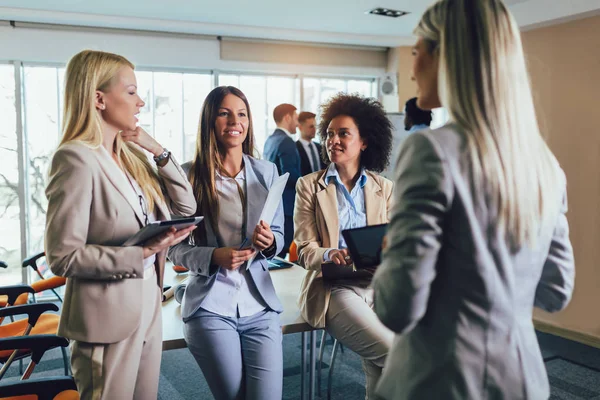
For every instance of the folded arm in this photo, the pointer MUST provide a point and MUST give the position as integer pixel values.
(69, 193)
(179, 194)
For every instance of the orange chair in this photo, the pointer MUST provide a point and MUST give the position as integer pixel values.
(293, 254)
(53, 388)
(46, 282)
(180, 269)
(36, 323)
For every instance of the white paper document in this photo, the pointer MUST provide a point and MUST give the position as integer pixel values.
(274, 197)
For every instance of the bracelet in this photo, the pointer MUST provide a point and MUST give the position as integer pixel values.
(165, 155)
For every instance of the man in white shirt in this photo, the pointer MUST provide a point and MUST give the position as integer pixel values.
(309, 151)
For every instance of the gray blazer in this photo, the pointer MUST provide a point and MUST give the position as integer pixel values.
(459, 299)
(260, 175)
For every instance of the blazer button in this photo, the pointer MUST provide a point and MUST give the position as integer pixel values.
(134, 275)
(119, 276)
(114, 277)
(127, 276)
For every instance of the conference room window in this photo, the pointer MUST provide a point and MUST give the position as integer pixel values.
(172, 110)
(264, 93)
(42, 113)
(10, 228)
(317, 91)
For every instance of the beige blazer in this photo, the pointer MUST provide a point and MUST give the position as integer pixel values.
(92, 210)
(317, 230)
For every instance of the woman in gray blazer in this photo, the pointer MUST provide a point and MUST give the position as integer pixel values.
(478, 234)
(101, 191)
(230, 308)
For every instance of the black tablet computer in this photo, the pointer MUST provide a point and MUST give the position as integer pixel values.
(155, 228)
(364, 244)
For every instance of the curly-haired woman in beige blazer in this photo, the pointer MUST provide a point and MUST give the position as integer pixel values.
(357, 139)
(101, 191)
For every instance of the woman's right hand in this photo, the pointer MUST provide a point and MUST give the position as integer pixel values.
(230, 257)
(166, 240)
(340, 257)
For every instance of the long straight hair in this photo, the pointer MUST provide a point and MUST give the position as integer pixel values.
(484, 84)
(208, 158)
(87, 72)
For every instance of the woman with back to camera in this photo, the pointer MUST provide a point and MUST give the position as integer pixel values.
(357, 139)
(478, 234)
(101, 191)
(230, 309)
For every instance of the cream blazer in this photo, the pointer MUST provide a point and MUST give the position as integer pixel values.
(92, 210)
(317, 229)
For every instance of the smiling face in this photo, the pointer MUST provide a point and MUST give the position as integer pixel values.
(425, 74)
(121, 104)
(344, 144)
(231, 124)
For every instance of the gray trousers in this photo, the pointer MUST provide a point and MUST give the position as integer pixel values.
(351, 320)
(128, 369)
(241, 358)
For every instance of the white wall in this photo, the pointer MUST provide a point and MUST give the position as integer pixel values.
(145, 49)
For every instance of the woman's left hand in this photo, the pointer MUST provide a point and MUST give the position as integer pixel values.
(142, 139)
(263, 236)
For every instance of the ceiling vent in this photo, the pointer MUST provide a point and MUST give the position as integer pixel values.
(387, 12)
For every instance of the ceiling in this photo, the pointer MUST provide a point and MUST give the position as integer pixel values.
(328, 21)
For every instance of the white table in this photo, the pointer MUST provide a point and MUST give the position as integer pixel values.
(287, 285)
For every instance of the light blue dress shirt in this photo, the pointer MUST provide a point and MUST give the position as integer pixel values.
(351, 205)
(234, 294)
(418, 127)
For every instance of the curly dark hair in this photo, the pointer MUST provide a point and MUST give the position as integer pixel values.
(373, 125)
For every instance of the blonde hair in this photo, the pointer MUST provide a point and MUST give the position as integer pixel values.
(484, 84)
(87, 72)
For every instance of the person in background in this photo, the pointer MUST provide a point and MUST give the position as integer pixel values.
(478, 234)
(281, 150)
(101, 191)
(415, 119)
(230, 309)
(357, 137)
(309, 151)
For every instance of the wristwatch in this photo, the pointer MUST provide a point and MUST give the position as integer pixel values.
(162, 156)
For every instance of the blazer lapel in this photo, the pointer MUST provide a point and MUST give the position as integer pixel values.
(256, 195)
(327, 199)
(373, 201)
(119, 181)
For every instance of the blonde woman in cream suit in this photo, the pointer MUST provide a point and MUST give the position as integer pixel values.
(357, 139)
(101, 191)
(478, 234)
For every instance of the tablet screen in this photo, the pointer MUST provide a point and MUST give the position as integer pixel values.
(364, 244)
(158, 227)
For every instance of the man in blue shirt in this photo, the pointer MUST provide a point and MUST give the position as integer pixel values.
(415, 119)
(280, 149)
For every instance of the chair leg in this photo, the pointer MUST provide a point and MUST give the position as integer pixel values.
(21, 366)
(65, 360)
(57, 296)
(321, 351)
(331, 365)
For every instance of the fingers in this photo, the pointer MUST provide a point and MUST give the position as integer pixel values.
(262, 241)
(337, 257)
(340, 257)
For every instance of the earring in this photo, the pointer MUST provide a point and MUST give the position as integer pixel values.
(102, 107)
